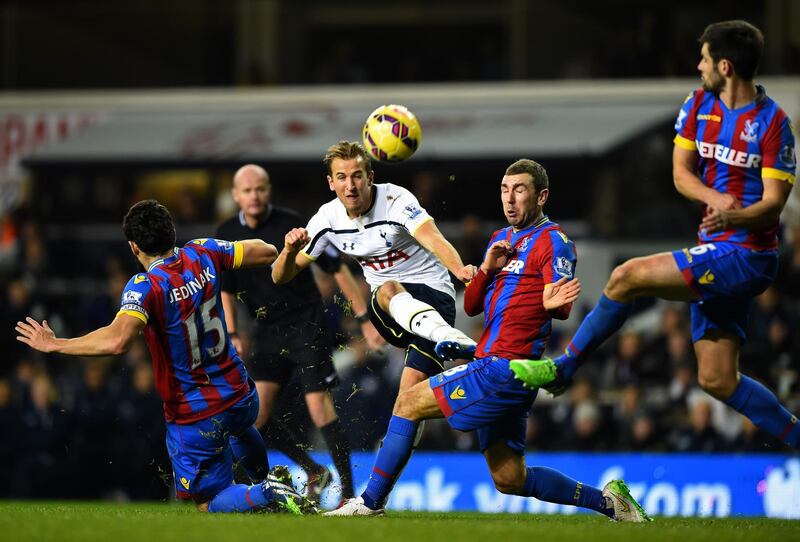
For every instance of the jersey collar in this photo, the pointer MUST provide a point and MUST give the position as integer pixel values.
(162, 261)
(243, 222)
(538, 224)
(761, 97)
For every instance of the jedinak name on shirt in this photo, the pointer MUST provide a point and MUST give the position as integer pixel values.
(192, 287)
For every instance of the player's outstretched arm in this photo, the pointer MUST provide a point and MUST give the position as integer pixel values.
(558, 297)
(353, 291)
(760, 215)
(432, 239)
(290, 261)
(689, 185)
(257, 253)
(111, 340)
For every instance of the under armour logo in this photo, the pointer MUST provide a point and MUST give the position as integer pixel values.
(383, 234)
(352, 246)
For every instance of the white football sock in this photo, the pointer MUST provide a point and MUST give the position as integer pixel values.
(418, 318)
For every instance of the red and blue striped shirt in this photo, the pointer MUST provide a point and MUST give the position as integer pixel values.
(736, 150)
(517, 324)
(197, 371)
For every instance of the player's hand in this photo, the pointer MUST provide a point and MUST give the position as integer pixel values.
(716, 220)
(295, 240)
(724, 202)
(560, 293)
(374, 339)
(466, 273)
(38, 336)
(496, 257)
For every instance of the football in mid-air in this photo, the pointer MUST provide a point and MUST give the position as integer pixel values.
(392, 133)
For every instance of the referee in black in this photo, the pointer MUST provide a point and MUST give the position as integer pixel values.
(289, 330)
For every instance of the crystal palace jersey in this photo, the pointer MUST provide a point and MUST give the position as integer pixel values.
(737, 149)
(382, 239)
(517, 324)
(197, 371)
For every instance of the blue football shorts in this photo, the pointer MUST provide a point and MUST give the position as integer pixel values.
(202, 460)
(484, 396)
(726, 277)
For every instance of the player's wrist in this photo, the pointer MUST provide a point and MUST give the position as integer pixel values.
(362, 318)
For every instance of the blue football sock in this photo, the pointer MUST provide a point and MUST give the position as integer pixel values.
(552, 486)
(242, 498)
(251, 454)
(605, 319)
(759, 404)
(392, 458)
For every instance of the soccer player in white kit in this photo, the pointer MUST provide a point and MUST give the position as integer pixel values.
(404, 256)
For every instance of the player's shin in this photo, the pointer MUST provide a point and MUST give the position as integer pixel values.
(242, 498)
(392, 458)
(279, 436)
(339, 448)
(550, 485)
(759, 404)
(602, 322)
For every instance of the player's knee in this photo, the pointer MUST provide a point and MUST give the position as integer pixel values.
(387, 291)
(717, 385)
(202, 507)
(622, 280)
(404, 406)
(262, 419)
(322, 416)
(510, 485)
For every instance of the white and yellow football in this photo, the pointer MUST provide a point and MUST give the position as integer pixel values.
(392, 133)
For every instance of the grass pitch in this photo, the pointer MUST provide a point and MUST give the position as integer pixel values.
(86, 522)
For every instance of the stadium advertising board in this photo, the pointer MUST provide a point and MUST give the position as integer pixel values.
(665, 484)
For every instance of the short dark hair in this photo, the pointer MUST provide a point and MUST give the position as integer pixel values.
(347, 150)
(534, 169)
(150, 226)
(738, 42)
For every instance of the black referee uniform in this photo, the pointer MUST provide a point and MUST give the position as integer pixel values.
(289, 330)
(289, 335)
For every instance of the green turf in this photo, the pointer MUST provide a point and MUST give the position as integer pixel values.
(43, 521)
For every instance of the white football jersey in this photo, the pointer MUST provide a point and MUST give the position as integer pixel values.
(381, 240)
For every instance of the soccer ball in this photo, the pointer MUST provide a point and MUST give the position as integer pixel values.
(392, 133)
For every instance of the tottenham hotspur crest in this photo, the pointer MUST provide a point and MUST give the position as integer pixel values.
(749, 132)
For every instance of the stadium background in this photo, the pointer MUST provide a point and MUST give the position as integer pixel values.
(103, 105)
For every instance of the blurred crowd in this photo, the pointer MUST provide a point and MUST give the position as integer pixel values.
(93, 428)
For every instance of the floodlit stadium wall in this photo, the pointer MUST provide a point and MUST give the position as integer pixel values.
(459, 120)
(665, 484)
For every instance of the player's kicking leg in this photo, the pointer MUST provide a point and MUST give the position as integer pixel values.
(511, 476)
(657, 275)
(412, 407)
(423, 320)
